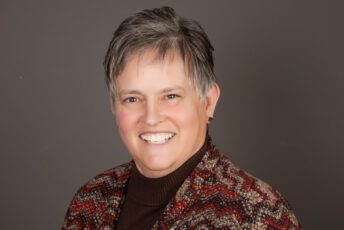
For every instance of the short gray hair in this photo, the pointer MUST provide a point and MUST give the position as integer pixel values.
(161, 29)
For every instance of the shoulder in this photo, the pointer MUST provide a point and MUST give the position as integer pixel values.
(96, 196)
(105, 183)
(235, 194)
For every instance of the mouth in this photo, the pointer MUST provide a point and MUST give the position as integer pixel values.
(157, 138)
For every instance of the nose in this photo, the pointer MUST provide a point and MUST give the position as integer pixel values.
(152, 115)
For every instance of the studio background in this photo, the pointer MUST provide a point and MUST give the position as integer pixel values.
(280, 115)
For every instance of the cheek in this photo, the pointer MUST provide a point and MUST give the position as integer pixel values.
(125, 122)
(186, 115)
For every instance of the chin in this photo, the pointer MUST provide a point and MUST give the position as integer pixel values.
(157, 167)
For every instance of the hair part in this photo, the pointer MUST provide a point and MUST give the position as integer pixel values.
(164, 31)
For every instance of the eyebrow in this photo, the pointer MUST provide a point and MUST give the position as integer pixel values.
(166, 90)
(175, 88)
(124, 92)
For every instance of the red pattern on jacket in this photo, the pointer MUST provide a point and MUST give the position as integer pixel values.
(217, 195)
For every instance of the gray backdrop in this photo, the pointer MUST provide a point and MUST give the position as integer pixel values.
(280, 115)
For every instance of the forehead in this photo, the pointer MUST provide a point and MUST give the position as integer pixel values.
(149, 73)
(137, 64)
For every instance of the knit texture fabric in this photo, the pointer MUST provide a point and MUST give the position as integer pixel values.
(146, 198)
(216, 195)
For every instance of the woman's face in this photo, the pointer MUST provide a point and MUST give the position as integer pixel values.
(160, 117)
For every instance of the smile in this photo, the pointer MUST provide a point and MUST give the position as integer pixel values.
(158, 138)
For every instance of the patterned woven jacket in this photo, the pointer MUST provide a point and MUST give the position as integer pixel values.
(216, 195)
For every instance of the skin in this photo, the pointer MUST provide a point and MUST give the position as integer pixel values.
(156, 97)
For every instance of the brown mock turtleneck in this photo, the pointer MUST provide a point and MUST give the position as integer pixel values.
(146, 198)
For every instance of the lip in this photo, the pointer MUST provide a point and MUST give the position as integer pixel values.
(157, 137)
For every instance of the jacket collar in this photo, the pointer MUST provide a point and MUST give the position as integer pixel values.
(186, 195)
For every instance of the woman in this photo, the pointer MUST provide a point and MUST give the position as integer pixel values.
(161, 80)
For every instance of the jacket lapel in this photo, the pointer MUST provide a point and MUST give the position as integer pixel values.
(115, 200)
(188, 193)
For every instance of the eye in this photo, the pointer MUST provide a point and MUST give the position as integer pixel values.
(172, 96)
(131, 100)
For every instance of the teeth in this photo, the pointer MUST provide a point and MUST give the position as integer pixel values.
(157, 138)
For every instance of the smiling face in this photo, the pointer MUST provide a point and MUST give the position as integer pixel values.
(159, 115)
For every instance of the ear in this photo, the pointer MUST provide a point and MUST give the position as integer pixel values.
(211, 99)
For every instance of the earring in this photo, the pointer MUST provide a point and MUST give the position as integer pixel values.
(210, 119)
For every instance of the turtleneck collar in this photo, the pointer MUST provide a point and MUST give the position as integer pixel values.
(159, 191)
